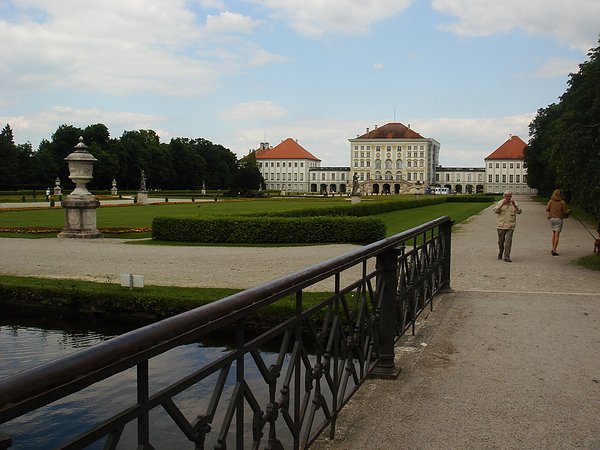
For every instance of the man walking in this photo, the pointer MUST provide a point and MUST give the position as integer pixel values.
(507, 210)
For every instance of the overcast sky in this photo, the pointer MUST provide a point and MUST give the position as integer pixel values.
(467, 73)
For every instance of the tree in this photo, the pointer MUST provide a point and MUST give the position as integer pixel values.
(564, 149)
(9, 156)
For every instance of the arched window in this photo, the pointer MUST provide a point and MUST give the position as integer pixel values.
(388, 164)
(398, 176)
(378, 164)
(388, 176)
(399, 164)
(377, 176)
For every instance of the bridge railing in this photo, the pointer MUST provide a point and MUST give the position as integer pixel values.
(325, 353)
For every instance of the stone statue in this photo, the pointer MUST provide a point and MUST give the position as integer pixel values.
(143, 181)
(355, 186)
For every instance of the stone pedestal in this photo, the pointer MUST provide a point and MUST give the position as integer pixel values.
(354, 198)
(80, 218)
(142, 197)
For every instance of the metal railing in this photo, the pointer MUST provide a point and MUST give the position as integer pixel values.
(325, 352)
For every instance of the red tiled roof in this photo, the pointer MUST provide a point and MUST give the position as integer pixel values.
(394, 130)
(511, 149)
(288, 149)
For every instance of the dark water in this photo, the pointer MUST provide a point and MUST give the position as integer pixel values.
(26, 342)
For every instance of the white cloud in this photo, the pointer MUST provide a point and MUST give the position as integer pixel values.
(228, 22)
(121, 47)
(465, 142)
(557, 67)
(573, 23)
(253, 110)
(378, 66)
(317, 17)
(35, 127)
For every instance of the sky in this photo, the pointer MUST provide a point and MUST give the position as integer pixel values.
(467, 73)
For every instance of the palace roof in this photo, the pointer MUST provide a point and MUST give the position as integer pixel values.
(287, 149)
(393, 130)
(511, 149)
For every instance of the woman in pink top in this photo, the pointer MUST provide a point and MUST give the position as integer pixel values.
(557, 211)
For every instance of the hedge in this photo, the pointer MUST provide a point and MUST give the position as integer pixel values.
(470, 199)
(367, 208)
(254, 230)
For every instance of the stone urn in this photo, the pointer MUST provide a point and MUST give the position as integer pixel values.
(80, 205)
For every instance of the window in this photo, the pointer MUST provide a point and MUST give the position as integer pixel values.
(301, 177)
(362, 154)
(301, 164)
(510, 178)
(510, 165)
(356, 163)
(388, 164)
(356, 154)
(409, 163)
(378, 176)
(389, 148)
(333, 176)
(388, 176)
(437, 177)
(362, 147)
(368, 163)
(422, 154)
(518, 177)
(295, 177)
(421, 163)
(277, 164)
(378, 164)
(490, 165)
(343, 175)
(497, 178)
(409, 176)
(458, 177)
(489, 178)
(447, 177)
(504, 165)
(356, 147)
(283, 176)
(398, 176)
(283, 164)
(277, 177)
(314, 176)
(518, 165)
(378, 148)
(323, 176)
(399, 164)
(524, 178)
(504, 178)
(368, 147)
(497, 165)
(362, 163)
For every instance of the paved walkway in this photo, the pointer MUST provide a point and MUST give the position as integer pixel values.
(510, 360)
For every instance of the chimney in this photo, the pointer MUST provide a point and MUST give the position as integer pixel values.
(408, 126)
(375, 126)
(367, 129)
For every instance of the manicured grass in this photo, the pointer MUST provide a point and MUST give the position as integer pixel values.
(141, 216)
(112, 299)
(591, 262)
(398, 221)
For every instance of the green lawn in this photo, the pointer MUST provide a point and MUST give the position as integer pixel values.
(141, 216)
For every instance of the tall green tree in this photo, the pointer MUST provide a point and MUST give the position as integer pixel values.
(564, 149)
(9, 157)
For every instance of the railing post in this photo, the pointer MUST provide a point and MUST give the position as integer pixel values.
(446, 233)
(387, 263)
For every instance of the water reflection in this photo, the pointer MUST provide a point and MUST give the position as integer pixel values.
(27, 342)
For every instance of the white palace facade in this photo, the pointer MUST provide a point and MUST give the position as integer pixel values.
(391, 159)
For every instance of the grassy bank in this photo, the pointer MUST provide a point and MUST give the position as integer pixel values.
(76, 297)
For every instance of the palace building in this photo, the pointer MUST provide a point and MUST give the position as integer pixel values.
(391, 159)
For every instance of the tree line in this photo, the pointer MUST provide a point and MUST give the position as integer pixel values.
(564, 145)
(182, 163)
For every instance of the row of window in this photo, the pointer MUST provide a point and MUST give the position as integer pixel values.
(389, 147)
(517, 179)
(457, 177)
(283, 164)
(389, 164)
(388, 155)
(510, 165)
(275, 176)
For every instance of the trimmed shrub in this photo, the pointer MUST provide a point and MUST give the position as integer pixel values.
(258, 230)
(357, 210)
(470, 199)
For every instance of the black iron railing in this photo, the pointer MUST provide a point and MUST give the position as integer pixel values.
(325, 353)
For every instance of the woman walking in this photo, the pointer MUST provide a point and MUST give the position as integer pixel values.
(557, 211)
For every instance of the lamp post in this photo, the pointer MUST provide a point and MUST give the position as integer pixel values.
(418, 185)
(80, 205)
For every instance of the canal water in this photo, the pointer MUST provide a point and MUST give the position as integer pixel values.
(26, 342)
